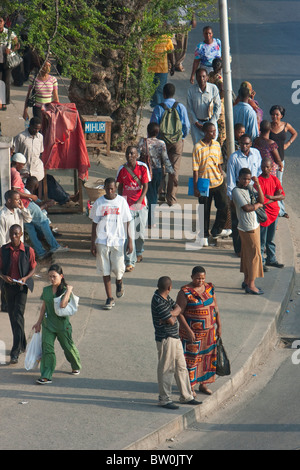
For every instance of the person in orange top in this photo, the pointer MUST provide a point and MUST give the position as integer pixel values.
(162, 52)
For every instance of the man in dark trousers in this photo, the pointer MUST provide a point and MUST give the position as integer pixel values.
(17, 266)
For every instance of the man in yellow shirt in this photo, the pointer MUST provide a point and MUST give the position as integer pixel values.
(163, 51)
(207, 163)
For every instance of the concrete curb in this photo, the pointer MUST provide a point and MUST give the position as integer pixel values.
(230, 386)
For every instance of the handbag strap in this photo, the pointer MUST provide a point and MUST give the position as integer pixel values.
(134, 176)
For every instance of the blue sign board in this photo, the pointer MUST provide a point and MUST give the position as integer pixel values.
(94, 127)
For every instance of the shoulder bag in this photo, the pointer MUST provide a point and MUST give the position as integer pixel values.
(146, 157)
(13, 59)
(260, 212)
(223, 364)
(70, 309)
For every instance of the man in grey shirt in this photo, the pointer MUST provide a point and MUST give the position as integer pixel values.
(203, 104)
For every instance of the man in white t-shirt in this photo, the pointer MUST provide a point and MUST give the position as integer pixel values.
(111, 216)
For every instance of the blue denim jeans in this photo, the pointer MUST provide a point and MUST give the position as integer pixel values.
(137, 230)
(160, 79)
(267, 237)
(40, 223)
(152, 193)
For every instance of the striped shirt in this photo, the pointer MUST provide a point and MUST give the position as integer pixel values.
(206, 160)
(161, 311)
(43, 90)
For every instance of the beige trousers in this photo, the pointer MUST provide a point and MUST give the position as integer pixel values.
(171, 362)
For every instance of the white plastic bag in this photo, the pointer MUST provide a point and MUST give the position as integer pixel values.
(33, 352)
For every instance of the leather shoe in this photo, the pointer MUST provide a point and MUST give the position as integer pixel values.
(250, 291)
(266, 269)
(170, 406)
(193, 402)
(275, 264)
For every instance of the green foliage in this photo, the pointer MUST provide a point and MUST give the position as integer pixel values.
(84, 34)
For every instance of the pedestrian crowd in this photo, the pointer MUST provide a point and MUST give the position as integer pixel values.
(246, 188)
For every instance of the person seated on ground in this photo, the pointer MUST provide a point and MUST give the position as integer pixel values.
(40, 225)
(39, 220)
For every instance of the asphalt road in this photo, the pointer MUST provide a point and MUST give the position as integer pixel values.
(264, 38)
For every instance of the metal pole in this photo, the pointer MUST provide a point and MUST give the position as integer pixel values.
(223, 12)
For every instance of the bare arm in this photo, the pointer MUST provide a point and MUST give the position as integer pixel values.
(37, 325)
(294, 135)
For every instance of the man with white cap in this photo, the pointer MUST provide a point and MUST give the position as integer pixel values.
(40, 221)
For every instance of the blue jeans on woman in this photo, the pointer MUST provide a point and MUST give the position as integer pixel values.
(152, 193)
(40, 223)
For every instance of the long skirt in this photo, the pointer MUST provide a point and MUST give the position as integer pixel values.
(251, 262)
(201, 357)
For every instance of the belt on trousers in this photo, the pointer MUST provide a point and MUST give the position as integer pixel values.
(203, 120)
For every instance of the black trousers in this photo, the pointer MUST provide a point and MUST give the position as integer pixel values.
(219, 196)
(5, 75)
(16, 297)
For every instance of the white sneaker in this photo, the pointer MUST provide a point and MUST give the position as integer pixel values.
(226, 232)
(61, 248)
(205, 241)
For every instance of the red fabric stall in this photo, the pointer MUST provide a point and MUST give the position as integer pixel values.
(64, 142)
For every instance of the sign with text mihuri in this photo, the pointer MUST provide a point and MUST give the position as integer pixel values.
(94, 127)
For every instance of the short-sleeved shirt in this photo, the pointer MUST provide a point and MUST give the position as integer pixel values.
(247, 220)
(31, 146)
(270, 186)
(110, 215)
(13, 271)
(158, 152)
(206, 160)
(16, 182)
(52, 321)
(43, 90)
(161, 311)
(132, 190)
(208, 52)
(161, 50)
(4, 42)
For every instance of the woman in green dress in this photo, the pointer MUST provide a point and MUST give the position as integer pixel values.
(54, 326)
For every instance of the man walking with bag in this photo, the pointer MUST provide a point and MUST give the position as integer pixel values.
(17, 266)
(133, 178)
(174, 125)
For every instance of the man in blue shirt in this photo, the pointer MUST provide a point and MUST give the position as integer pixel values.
(244, 114)
(175, 149)
(245, 157)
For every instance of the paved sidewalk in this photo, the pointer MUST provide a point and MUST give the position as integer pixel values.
(113, 402)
